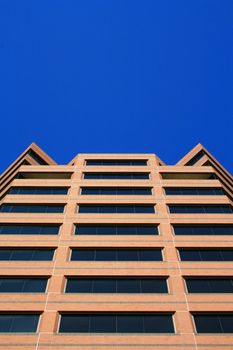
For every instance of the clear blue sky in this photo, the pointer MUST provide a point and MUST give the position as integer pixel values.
(83, 76)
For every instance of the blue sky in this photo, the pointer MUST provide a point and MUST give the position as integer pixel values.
(116, 76)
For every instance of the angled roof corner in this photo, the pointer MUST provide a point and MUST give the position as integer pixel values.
(33, 155)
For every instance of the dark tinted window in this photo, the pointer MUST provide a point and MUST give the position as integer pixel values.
(192, 191)
(38, 190)
(18, 323)
(117, 285)
(19, 229)
(200, 209)
(206, 254)
(31, 208)
(203, 230)
(209, 285)
(10, 254)
(37, 158)
(116, 208)
(110, 162)
(197, 157)
(116, 230)
(22, 285)
(117, 176)
(213, 323)
(116, 254)
(116, 191)
(116, 323)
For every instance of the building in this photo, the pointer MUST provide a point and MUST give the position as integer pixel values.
(116, 251)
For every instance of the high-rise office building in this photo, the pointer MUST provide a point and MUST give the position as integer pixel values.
(116, 251)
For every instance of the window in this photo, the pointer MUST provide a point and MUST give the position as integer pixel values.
(212, 230)
(116, 191)
(121, 208)
(36, 157)
(18, 322)
(206, 254)
(38, 190)
(116, 162)
(44, 175)
(127, 254)
(209, 285)
(116, 176)
(22, 285)
(116, 323)
(26, 254)
(214, 322)
(193, 191)
(200, 209)
(116, 285)
(116, 230)
(189, 176)
(21, 229)
(32, 208)
(195, 159)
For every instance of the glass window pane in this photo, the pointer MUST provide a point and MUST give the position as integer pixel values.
(221, 285)
(210, 255)
(226, 323)
(105, 255)
(125, 209)
(227, 255)
(24, 323)
(154, 286)
(35, 285)
(107, 209)
(144, 209)
(150, 255)
(103, 324)
(5, 323)
(11, 285)
(74, 324)
(129, 324)
(126, 230)
(104, 286)
(158, 324)
(198, 286)
(190, 255)
(79, 286)
(207, 324)
(22, 254)
(83, 254)
(128, 286)
(127, 255)
(5, 254)
(43, 254)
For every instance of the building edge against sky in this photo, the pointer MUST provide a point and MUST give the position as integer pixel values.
(116, 250)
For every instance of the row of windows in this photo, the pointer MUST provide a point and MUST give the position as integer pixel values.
(121, 254)
(118, 229)
(200, 209)
(32, 208)
(116, 254)
(116, 322)
(115, 285)
(108, 208)
(117, 175)
(30, 229)
(116, 162)
(115, 191)
(39, 190)
(193, 191)
(119, 208)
